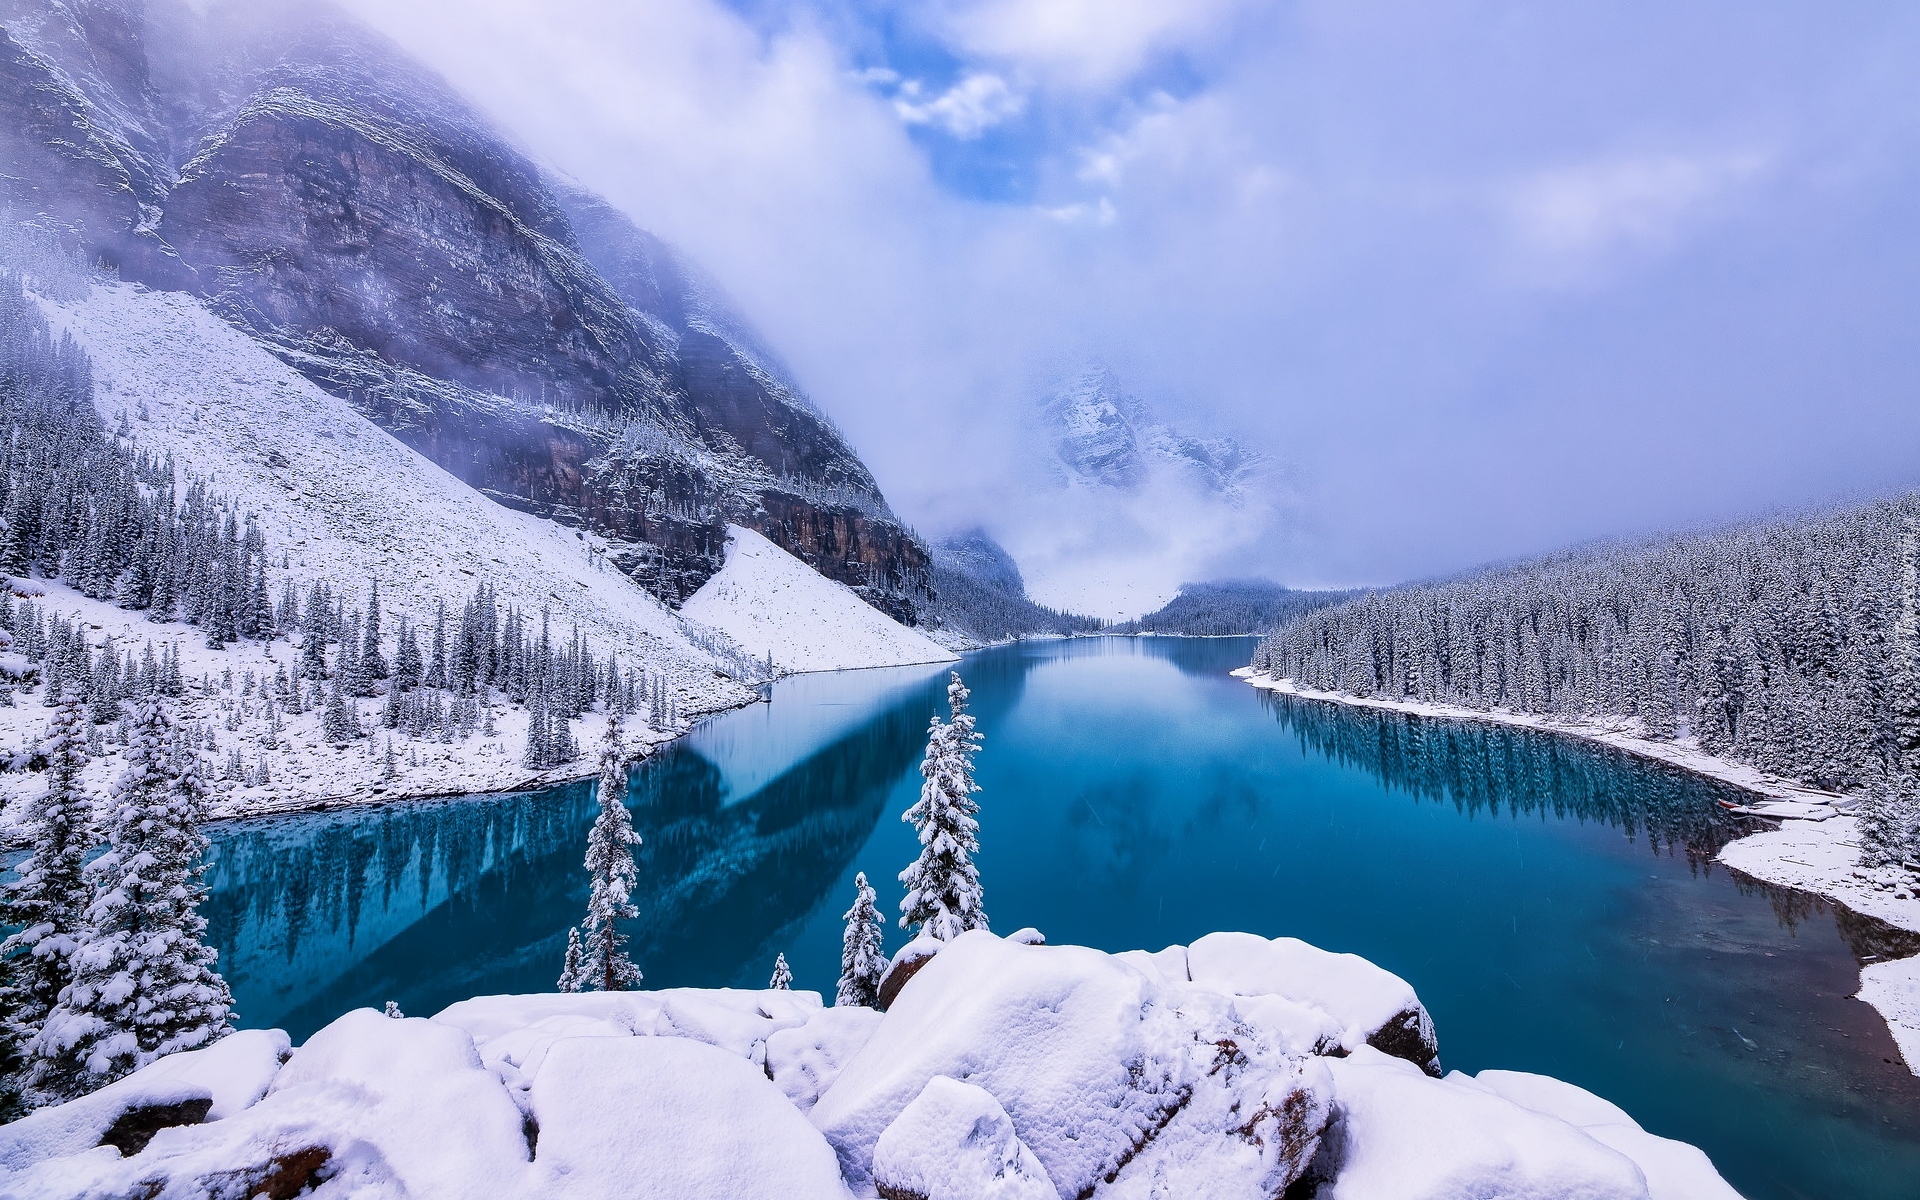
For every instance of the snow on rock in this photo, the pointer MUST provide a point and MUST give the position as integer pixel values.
(236, 1071)
(804, 1060)
(905, 964)
(1673, 1170)
(1005, 1071)
(138, 1102)
(670, 1119)
(955, 1142)
(1893, 988)
(772, 604)
(348, 503)
(1398, 1134)
(739, 1021)
(1107, 1075)
(389, 1072)
(1373, 1006)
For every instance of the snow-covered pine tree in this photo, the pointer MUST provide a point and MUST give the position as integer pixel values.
(539, 753)
(47, 900)
(943, 886)
(436, 676)
(143, 983)
(782, 980)
(340, 723)
(1904, 683)
(863, 960)
(561, 748)
(570, 971)
(408, 669)
(373, 662)
(1889, 828)
(611, 868)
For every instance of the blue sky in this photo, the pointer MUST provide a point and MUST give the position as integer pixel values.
(1485, 276)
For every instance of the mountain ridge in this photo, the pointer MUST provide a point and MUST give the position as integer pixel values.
(344, 206)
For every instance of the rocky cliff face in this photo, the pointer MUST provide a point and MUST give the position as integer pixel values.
(344, 206)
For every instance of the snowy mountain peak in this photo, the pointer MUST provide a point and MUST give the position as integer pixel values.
(1104, 436)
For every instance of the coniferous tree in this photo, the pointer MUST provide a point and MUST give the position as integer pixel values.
(408, 669)
(570, 972)
(373, 663)
(539, 754)
(863, 962)
(943, 897)
(1904, 693)
(1889, 821)
(610, 867)
(47, 900)
(782, 980)
(143, 981)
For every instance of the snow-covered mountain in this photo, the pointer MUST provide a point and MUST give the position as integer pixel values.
(1103, 436)
(342, 205)
(1126, 507)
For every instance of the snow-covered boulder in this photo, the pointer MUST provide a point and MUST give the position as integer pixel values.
(1673, 1170)
(1398, 1134)
(665, 1118)
(955, 1142)
(376, 1107)
(905, 964)
(736, 1020)
(804, 1060)
(774, 606)
(1111, 1078)
(1373, 1007)
(237, 1070)
(121, 1116)
(1006, 1070)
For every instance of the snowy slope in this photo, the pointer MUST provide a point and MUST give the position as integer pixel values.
(346, 503)
(771, 603)
(351, 503)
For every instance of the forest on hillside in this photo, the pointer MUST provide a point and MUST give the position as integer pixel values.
(1790, 644)
(1227, 607)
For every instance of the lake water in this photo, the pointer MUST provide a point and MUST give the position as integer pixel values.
(1555, 903)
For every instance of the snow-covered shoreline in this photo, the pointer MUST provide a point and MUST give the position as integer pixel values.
(1813, 850)
(1615, 733)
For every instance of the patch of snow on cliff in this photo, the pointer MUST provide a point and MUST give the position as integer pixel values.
(772, 604)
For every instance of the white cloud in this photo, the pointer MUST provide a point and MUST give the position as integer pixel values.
(1316, 244)
(1084, 43)
(1573, 215)
(966, 110)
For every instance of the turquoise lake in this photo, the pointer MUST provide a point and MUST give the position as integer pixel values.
(1555, 903)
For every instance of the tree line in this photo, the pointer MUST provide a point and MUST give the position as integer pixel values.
(1789, 644)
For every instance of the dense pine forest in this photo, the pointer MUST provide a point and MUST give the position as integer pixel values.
(1788, 644)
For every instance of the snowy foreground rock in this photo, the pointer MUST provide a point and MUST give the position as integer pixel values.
(1235, 1067)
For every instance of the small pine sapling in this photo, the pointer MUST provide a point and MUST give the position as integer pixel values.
(570, 970)
(862, 960)
(782, 980)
